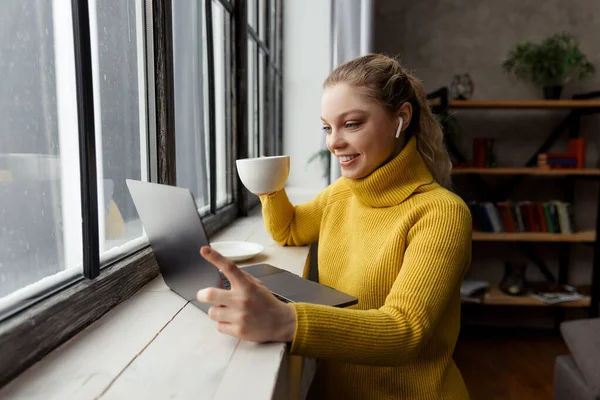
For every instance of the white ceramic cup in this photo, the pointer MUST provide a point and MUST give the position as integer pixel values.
(265, 174)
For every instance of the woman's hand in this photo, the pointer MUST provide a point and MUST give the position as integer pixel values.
(249, 310)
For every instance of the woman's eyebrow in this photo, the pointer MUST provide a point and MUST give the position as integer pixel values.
(345, 113)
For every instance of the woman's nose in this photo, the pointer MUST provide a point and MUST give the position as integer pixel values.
(336, 140)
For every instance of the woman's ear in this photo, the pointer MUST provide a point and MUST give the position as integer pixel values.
(405, 112)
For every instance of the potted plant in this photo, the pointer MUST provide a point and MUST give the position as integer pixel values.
(550, 64)
(323, 156)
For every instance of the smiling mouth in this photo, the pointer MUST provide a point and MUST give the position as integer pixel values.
(345, 159)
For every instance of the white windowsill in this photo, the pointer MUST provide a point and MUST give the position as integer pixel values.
(156, 345)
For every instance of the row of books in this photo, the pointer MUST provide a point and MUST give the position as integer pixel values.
(523, 216)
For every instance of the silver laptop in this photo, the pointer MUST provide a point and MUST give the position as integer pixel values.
(176, 234)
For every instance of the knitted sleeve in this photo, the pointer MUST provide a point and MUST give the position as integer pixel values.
(292, 225)
(437, 255)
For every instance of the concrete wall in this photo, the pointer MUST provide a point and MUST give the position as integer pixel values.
(440, 38)
(306, 63)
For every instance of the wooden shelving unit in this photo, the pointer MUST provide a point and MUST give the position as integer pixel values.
(516, 104)
(578, 237)
(496, 297)
(485, 191)
(526, 171)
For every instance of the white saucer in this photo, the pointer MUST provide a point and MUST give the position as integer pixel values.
(238, 251)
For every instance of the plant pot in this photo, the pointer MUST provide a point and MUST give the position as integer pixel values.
(552, 92)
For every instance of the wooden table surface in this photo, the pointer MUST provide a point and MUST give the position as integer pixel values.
(155, 345)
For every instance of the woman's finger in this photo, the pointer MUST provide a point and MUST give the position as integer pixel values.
(222, 314)
(216, 296)
(231, 271)
(230, 329)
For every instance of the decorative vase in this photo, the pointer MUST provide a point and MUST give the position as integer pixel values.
(552, 92)
(513, 283)
(462, 87)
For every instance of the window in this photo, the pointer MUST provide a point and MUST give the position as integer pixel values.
(253, 148)
(252, 13)
(222, 63)
(81, 114)
(262, 103)
(40, 208)
(118, 67)
(203, 102)
(262, 19)
(190, 74)
(264, 76)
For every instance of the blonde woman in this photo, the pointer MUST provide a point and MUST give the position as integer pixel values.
(390, 233)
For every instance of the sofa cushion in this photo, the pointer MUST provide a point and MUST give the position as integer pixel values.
(568, 382)
(583, 340)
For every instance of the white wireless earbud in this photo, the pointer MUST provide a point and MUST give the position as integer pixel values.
(400, 121)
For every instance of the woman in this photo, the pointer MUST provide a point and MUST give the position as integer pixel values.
(389, 232)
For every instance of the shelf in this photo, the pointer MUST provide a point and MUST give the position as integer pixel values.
(540, 104)
(526, 171)
(579, 237)
(495, 296)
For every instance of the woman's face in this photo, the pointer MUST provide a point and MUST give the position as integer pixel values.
(360, 131)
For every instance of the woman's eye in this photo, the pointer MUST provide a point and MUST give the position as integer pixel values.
(326, 129)
(352, 125)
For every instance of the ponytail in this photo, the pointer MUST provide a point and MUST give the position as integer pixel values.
(430, 137)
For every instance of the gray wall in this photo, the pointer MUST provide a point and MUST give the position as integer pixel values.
(439, 38)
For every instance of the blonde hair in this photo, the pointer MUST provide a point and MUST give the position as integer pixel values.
(383, 79)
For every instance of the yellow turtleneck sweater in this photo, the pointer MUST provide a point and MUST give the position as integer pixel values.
(401, 244)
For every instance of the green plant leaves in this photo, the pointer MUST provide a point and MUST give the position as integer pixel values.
(554, 61)
(323, 156)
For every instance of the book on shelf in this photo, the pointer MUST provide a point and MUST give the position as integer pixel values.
(523, 216)
(574, 158)
(555, 294)
(483, 153)
(472, 291)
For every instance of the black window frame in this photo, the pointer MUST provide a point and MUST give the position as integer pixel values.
(36, 328)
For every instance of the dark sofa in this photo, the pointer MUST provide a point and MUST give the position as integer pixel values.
(577, 375)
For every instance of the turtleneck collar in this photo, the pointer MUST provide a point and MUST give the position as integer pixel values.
(393, 182)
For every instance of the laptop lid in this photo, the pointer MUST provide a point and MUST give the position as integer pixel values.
(176, 234)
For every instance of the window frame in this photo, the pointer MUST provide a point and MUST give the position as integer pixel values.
(37, 327)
